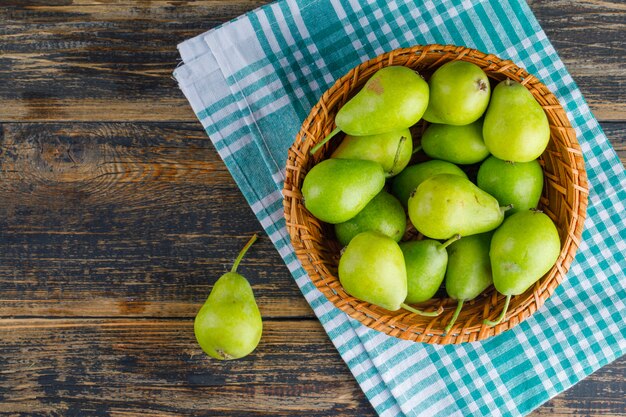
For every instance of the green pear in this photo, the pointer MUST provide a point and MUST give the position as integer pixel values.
(392, 150)
(469, 270)
(459, 94)
(336, 190)
(518, 184)
(393, 98)
(446, 205)
(522, 250)
(229, 325)
(426, 262)
(406, 182)
(515, 128)
(384, 214)
(372, 269)
(457, 144)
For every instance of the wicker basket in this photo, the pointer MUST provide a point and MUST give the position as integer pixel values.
(564, 199)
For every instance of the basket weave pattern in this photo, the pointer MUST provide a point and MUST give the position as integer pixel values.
(564, 199)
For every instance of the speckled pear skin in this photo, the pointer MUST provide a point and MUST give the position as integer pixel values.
(336, 190)
(372, 269)
(522, 250)
(446, 205)
(229, 324)
(393, 98)
(515, 128)
(392, 150)
(459, 94)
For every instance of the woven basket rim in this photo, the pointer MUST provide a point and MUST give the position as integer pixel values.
(403, 324)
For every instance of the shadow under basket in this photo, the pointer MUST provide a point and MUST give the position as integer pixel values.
(564, 199)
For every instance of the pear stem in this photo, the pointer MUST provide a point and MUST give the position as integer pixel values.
(416, 150)
(422, 313)
(502, 314)
(326, 139)
(397, 156)
(506, 208)
(449, 241)
(242, 253)
(459, 306)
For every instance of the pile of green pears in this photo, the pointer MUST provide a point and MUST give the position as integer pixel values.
(476, 233)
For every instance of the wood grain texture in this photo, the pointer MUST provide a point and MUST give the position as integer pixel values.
(124, 219)
(597, 27)
(140, 367)
(117, 215)
(94, 60)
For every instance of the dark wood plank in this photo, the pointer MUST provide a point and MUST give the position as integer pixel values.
(139, 367)
(590, 36)
(124, 220)
(93, 61)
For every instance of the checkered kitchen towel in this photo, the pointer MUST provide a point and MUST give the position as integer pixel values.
(252, 82)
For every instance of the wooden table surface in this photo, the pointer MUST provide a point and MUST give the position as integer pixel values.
(117, 215)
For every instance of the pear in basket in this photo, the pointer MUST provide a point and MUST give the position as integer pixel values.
(393, 98)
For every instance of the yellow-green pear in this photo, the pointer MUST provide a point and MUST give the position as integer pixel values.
(426, 262)
(522, 250)
(459, 94)
(469, 270)
(445, 205)
(515, 128)
(229, 324)
(392, 150)
(336, 190)
(393, 98)
(457, 144)
(384, 214)
(516, 183)
(406, 182)
(372, 269)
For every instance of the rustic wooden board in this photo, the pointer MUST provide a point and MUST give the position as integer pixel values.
(94, 60)
(121, 367)
(117, 215)
(124, 219)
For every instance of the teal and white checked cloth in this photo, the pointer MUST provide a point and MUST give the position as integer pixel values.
(252, 82)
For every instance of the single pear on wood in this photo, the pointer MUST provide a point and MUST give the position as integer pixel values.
(229, 324)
